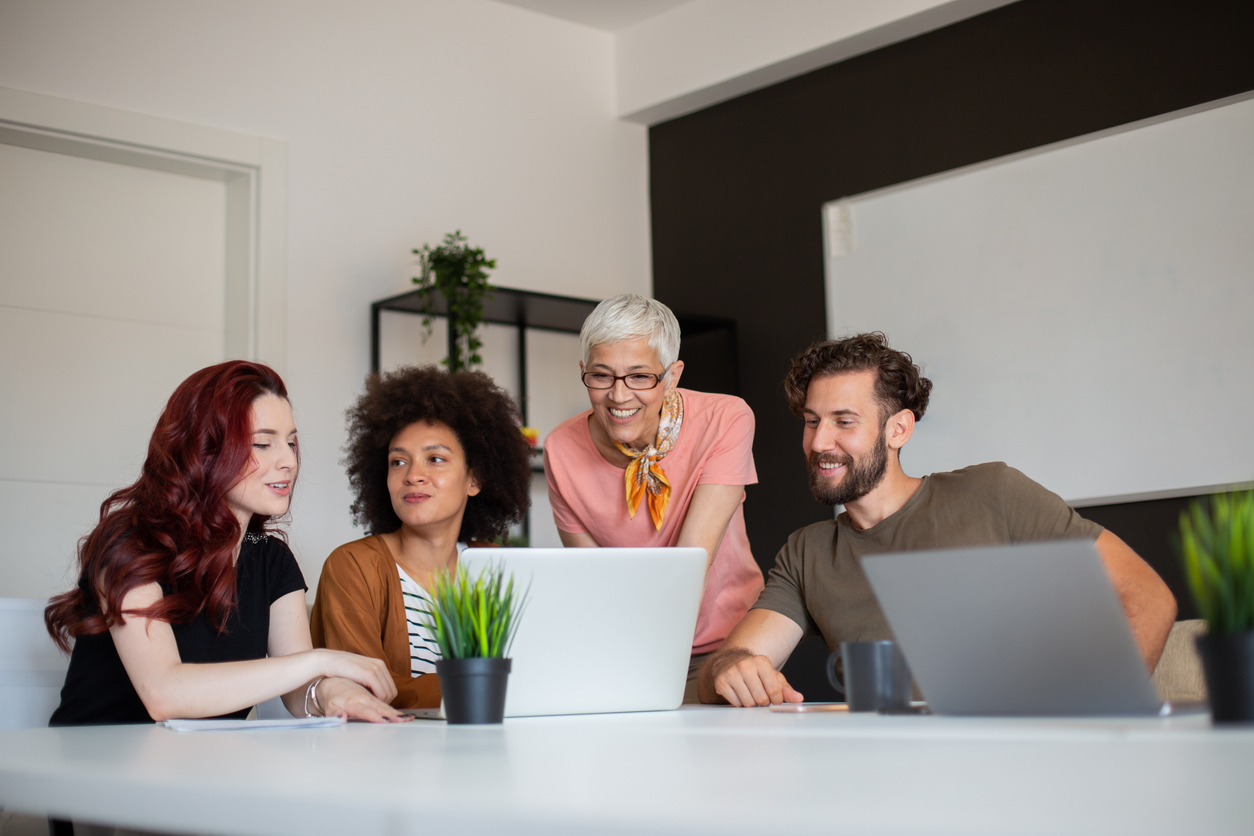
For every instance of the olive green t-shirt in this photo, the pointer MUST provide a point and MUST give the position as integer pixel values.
(818, 580)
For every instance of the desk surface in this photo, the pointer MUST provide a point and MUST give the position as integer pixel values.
(699, 770)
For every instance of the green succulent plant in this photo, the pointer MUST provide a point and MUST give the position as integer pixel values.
(472, 618)
(459, 273)
(1216, 544)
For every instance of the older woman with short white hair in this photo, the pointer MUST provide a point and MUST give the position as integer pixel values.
(651, 464)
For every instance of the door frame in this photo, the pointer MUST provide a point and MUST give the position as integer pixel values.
(253, 168)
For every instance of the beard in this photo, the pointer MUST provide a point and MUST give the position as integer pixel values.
(861, 476)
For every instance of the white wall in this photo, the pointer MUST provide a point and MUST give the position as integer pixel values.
(708, 51)
(1083, 310)
(403, 121)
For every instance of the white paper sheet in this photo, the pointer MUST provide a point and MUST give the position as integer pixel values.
(252, 725)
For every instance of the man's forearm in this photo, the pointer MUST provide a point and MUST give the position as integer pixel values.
(1151, 614)
(1147, 602)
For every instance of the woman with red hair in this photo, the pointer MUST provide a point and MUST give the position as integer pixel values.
(188, 603)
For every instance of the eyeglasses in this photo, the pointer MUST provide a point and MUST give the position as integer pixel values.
(636, 380)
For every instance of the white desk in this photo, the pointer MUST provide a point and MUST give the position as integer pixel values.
(703, 770)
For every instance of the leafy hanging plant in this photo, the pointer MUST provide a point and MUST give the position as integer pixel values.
(459, 273)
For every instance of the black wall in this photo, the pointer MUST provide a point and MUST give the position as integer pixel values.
(736, 189)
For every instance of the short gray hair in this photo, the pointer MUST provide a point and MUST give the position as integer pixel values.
(629, 316)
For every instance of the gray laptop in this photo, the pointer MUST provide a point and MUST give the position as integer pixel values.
(603, 630)
(1029, 629)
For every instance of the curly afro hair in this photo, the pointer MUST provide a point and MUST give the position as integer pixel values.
(482, 416)
(899, 383)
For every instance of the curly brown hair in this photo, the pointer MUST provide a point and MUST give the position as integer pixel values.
(899, 383)
(485, 420)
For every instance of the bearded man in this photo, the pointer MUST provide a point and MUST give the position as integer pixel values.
(860, 399)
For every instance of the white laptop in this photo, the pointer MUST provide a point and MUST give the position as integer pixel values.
(1034, 629)
(603, 630)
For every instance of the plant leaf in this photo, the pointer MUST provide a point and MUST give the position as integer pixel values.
(1216, 547)
(473, 617)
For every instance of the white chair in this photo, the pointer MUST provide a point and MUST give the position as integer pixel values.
(272, 709)
(1179, 676)
(32, 668)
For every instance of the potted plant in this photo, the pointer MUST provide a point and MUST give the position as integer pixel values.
(459, 273)
(474, 621)
(1217, 547)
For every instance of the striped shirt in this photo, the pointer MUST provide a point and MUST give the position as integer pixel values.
(423, 650)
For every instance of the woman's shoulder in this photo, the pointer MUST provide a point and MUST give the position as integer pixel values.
(265, 543)
(268, 549)
(367, 552)
(360, 569)
(273, 566)
(570, 438)
(715, 407)
(572, 428)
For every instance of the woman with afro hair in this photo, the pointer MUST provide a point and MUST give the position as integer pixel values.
(436, 461)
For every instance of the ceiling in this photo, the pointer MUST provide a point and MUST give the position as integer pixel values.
(607, 15)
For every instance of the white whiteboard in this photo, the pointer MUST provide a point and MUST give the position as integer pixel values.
(1086, 313)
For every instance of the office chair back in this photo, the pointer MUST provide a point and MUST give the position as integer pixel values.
(32, 669)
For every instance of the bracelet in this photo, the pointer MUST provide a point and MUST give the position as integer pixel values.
(312, 691)
(317, 704)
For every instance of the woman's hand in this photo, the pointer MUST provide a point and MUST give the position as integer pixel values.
(371, 674)
(344, 698)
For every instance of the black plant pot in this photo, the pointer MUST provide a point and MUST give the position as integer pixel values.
(473, 689)
(1228, 661)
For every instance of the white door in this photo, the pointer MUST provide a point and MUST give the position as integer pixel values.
(111, 292)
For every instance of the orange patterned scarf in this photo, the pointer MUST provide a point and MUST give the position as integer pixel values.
(644, 474)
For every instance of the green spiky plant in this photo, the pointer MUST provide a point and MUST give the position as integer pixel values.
(1217, 546)
(471, 618)
(459, 273)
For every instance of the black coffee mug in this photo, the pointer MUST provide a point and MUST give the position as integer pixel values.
(877, 677)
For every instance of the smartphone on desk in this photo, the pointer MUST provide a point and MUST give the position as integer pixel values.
(818, 707)
(808, 707)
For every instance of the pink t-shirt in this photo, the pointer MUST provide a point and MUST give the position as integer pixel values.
(715, 447)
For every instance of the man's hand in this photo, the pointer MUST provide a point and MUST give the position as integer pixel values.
(744, 671)
(744, 680)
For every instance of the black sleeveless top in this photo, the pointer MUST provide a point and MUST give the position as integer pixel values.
(97, 690)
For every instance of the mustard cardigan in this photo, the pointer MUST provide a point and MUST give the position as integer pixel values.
(359, 608)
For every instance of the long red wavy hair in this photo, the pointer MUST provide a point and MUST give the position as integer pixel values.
(173, 525)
